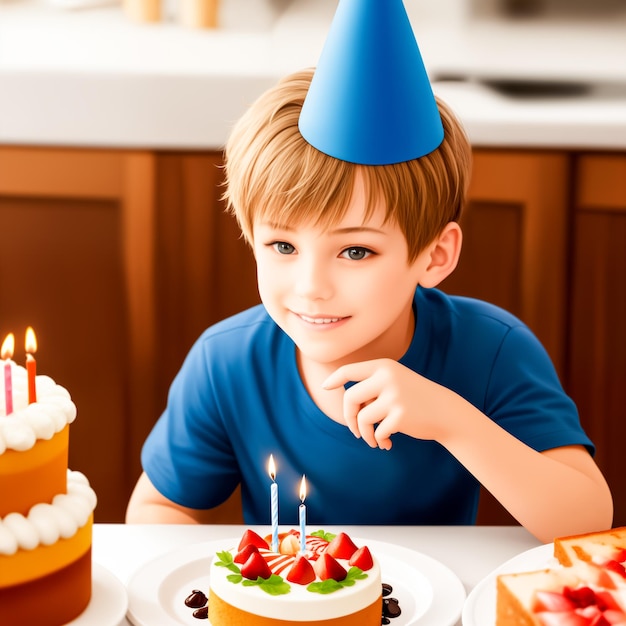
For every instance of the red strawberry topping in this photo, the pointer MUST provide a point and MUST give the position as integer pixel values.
(362, 559)
(301, 572)
(255, 567)
(341, 547)
(328, 567)
(251, 537)
(244, 554)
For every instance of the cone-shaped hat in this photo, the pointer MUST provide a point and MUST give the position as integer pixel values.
(370, 100)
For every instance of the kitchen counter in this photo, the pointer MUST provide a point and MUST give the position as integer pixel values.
(91, 77)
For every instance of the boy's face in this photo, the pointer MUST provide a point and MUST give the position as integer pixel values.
(343, 294)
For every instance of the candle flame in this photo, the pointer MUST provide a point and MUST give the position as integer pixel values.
(303, 489)
(31, 341)
(8, 346)
(271, 467)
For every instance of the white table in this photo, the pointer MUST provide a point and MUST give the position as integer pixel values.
(471, 552)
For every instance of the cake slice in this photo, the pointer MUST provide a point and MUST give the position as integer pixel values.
(606, 548)
(584, 594)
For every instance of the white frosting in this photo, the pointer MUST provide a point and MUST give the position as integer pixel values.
(299, 604)
(39, 420)
(45, 524)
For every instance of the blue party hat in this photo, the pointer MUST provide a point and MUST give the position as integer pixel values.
(370, 100)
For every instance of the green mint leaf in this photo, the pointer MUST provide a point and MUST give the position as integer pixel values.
(274, 585)
(330, 585)
(323, 535)
(234, 578)
(226, 560)
(356, 573)
(324, 587)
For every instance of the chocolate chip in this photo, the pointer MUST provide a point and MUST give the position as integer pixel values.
(196, 599)
(202, 613)
(387, 589)
(391, 607)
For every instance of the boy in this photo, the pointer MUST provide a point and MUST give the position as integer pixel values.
(395, 400)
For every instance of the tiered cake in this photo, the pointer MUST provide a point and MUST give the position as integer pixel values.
(46, 510)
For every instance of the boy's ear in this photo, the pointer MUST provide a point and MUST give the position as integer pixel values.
(443, 255)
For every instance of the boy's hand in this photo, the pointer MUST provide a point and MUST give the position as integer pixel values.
(390, 395)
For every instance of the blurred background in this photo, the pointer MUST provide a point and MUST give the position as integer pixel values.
(116, 249)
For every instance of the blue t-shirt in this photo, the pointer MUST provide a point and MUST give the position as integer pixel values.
(239, 398)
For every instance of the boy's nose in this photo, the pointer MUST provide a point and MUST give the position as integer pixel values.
(313, 280)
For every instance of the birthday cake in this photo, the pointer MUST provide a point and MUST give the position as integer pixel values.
(46, 510)
(332, 583)
(587, 588)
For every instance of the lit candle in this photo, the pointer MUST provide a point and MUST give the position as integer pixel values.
(6, 352)
(271, 468)
(302, 515)
(31, 364)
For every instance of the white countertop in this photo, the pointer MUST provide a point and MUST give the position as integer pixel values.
(93, 78)
(471, 552)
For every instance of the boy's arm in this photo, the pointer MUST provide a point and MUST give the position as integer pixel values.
(149, 506)
(553, 493)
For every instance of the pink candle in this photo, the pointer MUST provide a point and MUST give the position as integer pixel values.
(6, 352)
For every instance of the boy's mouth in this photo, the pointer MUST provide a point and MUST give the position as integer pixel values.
(319, 319)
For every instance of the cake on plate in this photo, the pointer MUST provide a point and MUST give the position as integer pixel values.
(332, 583)
(46, 510)
(586, 588)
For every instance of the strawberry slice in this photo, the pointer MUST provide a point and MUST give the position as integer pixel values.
(362, 559)
(341, 547)
(255, 567)
(559, 618)
(301, 572)
(250, 537)
(328, 567)
(244, 554)
(581, 597)
(616, 567)
(607, 602)
(552, 601)
(620, 555)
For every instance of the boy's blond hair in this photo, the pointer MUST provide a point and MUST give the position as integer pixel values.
(274, 174)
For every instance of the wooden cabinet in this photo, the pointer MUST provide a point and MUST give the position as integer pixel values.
(515, 251)
(596, 376)
(515, 241)
(119, 260)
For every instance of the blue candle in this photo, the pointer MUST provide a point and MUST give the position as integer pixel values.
(273, 503)
(302, 515)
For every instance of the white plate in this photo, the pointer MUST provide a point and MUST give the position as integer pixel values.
(480, 608)
(109, 600)
(428, 592)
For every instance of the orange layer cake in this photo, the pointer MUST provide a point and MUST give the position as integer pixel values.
(333, 583)
(46, 511)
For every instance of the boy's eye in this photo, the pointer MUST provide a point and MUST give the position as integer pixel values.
(282, 247)
(356, 253)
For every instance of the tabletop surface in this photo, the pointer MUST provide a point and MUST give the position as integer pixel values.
(471, 552)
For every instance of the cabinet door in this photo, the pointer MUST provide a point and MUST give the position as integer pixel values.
(77, 263)
(597, 368)
(515, 250)
(206, 270)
